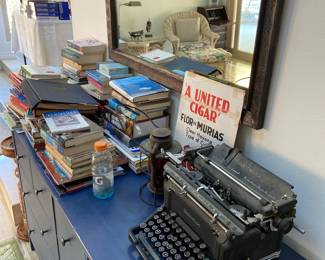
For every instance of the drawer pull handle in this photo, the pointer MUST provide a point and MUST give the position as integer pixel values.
(25, 193)
(19, 157)
(38, 191)
(31, 231)
(43, 232)
(65, 241)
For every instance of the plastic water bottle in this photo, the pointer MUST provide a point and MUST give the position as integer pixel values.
(102, 171)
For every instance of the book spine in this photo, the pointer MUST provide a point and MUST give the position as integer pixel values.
(18, 103)
(129, 142)
(74, 46)
(97, 85)
(72, 56)
(72, 64)
(64, 12)
(117, 106)
(100, 78)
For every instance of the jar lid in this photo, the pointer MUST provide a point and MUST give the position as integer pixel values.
(100, 146)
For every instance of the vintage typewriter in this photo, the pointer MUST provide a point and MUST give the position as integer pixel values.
(225, 207)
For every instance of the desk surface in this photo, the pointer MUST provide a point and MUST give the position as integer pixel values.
(102, 225)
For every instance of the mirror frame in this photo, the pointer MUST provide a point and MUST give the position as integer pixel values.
(262, 65)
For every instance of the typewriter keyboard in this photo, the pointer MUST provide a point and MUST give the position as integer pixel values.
(164, 235)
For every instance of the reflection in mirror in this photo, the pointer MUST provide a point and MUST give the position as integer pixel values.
(212, 37)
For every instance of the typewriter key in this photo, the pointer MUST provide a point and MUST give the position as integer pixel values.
(161, 237)
(164, 254)
(154, 227)
(164, 213)
(196, 250)
(178, 243)
(167, 217)
(146, 230)
(191, 258)
(187, 240)
(170, 222)
(153, 239)
(191, 245)
(158, 232)
(178, 230)
(166, 229)
(169, 258)
(187, 253)
(156, 217)
(174, 226)
(157, 244)
(169, 246)
(174, 239)
(165, 243)
(163, 225)
(151, 223)
(202, 246)
(170, 236)
(200, 256)
(177, 257)
(150, 234)
(143, 225)
(173, 251)
(182, 249)
(173, 214)
(182, 235)
(159, 221)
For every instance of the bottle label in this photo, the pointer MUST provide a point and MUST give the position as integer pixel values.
(99, 180)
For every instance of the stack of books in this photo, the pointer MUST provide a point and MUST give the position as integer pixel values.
(69, 141)
(138, 106)
(43, 9)
(44, 96)
(17, 105)
(80, 56)
(98, 80)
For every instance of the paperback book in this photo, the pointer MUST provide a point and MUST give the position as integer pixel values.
(65, 121)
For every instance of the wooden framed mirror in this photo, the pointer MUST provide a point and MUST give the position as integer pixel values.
(252, 29)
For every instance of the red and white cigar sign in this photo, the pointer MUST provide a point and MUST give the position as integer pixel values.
(209, 112)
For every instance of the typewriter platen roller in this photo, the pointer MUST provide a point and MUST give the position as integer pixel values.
(233, 206)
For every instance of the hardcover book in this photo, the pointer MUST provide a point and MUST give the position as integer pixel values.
(113, 68)
(139, 88)
(41, 72)
(87, 45)
(47, 95)
(80, 57)
(65, 121)
(157, 56)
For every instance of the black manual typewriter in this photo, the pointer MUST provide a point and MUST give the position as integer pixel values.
(225, 207)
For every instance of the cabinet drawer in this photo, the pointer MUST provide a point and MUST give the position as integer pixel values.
(41, 190)
(69, 245)
(23, 159)
(42, 232)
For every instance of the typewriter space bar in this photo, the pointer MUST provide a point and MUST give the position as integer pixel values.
(187, 229)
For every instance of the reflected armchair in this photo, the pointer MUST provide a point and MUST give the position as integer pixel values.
(191, 36)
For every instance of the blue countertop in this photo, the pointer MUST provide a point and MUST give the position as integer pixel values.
(102, 225)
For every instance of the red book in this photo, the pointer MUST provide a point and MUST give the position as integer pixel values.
(98, 86)
(18, 103)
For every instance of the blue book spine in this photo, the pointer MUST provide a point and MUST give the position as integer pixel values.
(117, 106)
(45, 5)
(64, 12)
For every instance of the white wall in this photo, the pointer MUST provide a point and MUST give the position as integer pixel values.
(292, 143)
(135, 18)
(89, 19)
